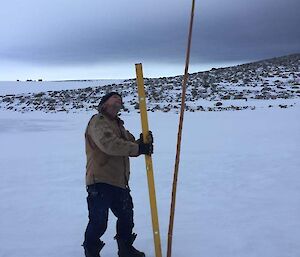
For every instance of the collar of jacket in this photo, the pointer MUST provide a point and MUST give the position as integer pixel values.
(117, 119)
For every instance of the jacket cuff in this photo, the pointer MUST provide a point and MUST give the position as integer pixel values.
(134, 150)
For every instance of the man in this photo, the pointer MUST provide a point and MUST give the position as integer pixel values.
(108, 148)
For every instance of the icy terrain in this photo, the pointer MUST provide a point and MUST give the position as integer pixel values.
(239, 182)
(263, 84)
(23, 87)
(238, 191)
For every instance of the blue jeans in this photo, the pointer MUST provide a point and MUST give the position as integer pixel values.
(101, 198)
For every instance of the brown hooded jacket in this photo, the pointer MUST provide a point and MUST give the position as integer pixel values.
(108, 146)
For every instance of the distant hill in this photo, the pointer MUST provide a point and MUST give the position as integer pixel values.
(268, 83)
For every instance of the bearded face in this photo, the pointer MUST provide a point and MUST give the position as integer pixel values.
(113, 105)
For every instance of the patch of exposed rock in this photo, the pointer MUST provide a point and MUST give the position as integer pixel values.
(233, 88)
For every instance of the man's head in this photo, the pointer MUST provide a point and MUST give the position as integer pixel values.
(111, 103)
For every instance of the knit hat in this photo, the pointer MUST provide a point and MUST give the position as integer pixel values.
(105, 98)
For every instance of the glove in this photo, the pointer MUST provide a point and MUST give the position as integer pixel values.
(145, 148)
(149, 137)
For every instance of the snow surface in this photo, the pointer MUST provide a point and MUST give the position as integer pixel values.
(238, 187)
(20, 87)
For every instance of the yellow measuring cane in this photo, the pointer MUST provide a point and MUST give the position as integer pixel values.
(148, 159)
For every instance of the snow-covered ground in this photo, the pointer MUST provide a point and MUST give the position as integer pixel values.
(21, 87)
(238, 187)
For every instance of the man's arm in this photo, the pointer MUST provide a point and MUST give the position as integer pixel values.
(108, 142)
(130, 137)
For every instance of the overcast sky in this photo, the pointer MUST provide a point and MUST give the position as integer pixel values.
(76, 39)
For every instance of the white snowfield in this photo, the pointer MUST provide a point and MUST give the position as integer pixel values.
(238, 187)
(21, 87)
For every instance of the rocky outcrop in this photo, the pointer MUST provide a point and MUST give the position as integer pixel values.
(232, 88)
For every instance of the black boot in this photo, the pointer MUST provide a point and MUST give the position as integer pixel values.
(94, 250)
(126, 248)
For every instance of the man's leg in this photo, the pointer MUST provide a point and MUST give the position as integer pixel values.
(122, 207)
(98, 201)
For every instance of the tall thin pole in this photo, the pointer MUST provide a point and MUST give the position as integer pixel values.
(148, 159)
(175, 177)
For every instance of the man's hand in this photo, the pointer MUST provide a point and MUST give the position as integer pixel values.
(149, 138)
(145, 148)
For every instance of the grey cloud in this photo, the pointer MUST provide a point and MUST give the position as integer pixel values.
(100, 31)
